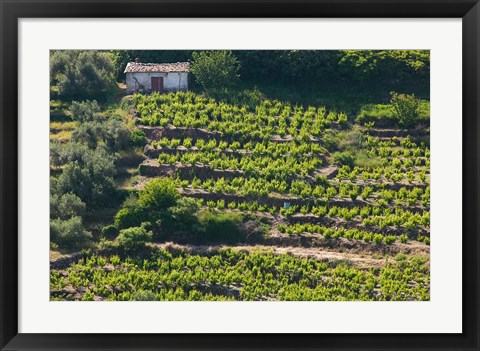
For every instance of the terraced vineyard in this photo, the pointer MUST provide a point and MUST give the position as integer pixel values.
(265, 170)
(328, 209)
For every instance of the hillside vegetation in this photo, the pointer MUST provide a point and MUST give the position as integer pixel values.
(225, 193)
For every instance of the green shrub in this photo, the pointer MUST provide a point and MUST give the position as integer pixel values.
(377, 238)
(344, 158)
(158, 194)
(69, 233)
(183, 216)
(88, 174)
(112, 133)
(138, 138)
(82, 74)
(220, 227)
(406, 109)
(109, 231)
(353, 193)
(88, 296)
(390, 239)
(366, 192)
(131, 216)
(66, 206)
(419, 110)
(365, 160)
(216, 70)
(133, 239)
(86, 111)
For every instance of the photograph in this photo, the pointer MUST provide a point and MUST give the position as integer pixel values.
(239, 175)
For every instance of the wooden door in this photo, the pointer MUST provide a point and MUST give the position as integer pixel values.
(157, 84)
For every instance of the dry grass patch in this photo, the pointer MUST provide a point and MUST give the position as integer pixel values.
(62, 136)
(59, 126)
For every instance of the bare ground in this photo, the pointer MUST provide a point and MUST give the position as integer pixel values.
(359, 260)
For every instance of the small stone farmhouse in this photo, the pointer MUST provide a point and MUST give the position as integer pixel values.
(161, 77)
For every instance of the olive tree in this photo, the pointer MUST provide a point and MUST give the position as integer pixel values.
(82, 74)
(69, 233)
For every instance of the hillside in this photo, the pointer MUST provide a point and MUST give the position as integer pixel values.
(264, 201)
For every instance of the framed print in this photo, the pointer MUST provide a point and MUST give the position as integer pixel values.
(246, 175)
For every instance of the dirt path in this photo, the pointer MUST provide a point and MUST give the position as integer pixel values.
(360, 261)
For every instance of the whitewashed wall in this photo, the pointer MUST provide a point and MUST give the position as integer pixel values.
(142, 81)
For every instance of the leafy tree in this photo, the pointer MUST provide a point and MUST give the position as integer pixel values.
(406, 109)
(66, 206)
(130, 217)
(60, 154)
(88, 133)
(89, 176)
(78, 74)
(133, 239)
(385, 64)
(96, 128)
(86, 111)
(184, 213)
(69, 233)
(158, 194)
(114, 134)
(216, 71)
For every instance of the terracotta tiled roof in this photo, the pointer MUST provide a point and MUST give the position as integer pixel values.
(157, 67)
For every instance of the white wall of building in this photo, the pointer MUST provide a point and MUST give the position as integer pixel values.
(141, 81)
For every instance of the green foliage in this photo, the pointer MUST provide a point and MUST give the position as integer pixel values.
(88, 296)
(283, 72)
(86, 111)
(375, 112)
(109, 232)
(216, 71)
(344, 158)
(61, 154)
(66, 206)
(96, 128)
(184, 214)
(133, 239)
(410, 110)
(158, 194)
(377, 238)
(69, 233)
(233, 275)
(131, 216)
(386, 64)
(256, 154)
(406, 109)
(79, 74)
(88, 175)
(220, 227)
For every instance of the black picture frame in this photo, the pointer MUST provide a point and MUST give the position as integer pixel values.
(11, 11)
